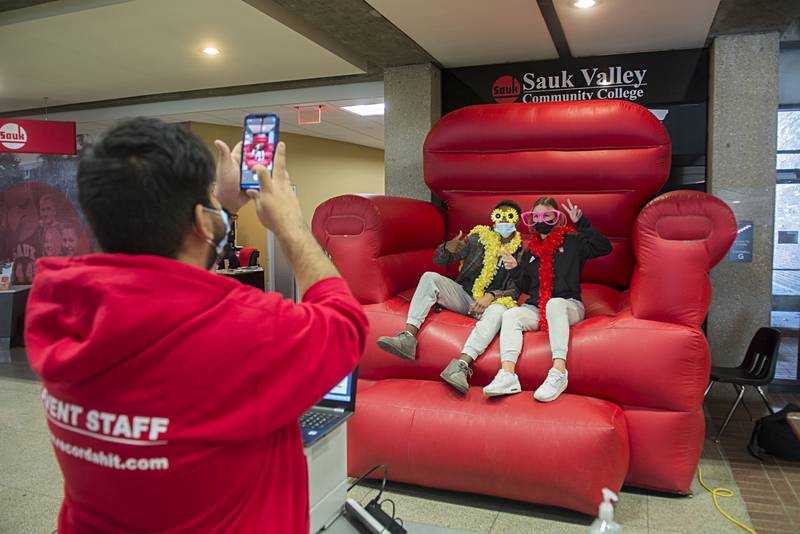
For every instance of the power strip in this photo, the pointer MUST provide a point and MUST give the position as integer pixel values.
(376, 524)
(389, 524)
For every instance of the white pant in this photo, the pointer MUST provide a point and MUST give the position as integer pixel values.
(433, 289)
(561, 314)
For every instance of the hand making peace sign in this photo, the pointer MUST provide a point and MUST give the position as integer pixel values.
(573, 211)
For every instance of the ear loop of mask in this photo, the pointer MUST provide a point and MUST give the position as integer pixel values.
(219, 248)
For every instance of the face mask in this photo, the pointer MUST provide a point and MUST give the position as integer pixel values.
(219, 246)
(543, 228)
(505, 229)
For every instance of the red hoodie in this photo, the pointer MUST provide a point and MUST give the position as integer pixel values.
(172, 394)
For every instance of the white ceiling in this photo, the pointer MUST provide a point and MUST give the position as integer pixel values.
(121, 48)
(479, 32)
(336, 123)
(472, 32)
(146, 47)
(627, 26)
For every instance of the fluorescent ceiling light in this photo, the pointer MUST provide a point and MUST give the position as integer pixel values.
(211, 51)
(365, 109)
(585, 4)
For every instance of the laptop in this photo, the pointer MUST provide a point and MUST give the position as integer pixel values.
(337, 406)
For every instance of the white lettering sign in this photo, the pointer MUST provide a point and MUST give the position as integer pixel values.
(13, 136)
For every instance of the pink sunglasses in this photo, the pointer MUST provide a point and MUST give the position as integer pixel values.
(551, 217)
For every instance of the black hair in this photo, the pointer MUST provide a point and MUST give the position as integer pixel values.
(139, 184)
(509, 204)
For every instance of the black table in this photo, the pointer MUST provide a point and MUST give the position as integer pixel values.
(251, 276)
(12, 313)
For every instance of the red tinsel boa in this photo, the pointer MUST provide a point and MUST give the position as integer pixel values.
(544, 249)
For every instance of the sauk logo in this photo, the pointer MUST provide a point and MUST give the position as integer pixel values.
(13, 136)
(506, 89)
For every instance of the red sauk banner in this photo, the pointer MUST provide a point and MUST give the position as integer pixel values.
(37, 137)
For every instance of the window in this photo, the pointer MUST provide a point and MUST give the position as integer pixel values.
(788, 140)
(786, 250)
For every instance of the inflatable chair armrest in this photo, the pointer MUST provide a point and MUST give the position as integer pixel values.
(380, 244)
(677, 239)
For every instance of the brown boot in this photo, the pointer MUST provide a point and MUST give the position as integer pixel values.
(456, 374)
(403, 345)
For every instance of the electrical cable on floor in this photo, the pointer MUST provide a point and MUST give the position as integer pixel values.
(722, 492)
(377, 499)
(368, 473)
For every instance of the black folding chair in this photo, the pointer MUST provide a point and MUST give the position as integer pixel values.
(757, 369)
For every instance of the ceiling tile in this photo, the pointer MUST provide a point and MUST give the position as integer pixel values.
(136, 48)
(473, 32)
(628, 26)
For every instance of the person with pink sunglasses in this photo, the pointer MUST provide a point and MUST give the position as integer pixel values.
(549, 271)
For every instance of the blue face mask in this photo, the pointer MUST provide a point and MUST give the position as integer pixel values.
(505, 229)
(219, 248)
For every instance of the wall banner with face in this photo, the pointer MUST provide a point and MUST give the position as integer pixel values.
(39, 214)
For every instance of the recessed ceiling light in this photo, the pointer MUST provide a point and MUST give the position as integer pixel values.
(211, 51)
(365, 109)
(584, 4)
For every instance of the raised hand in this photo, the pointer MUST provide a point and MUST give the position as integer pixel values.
(227, 186)
(456, 245)
(277, 206)
(509, 261)
(573, 211)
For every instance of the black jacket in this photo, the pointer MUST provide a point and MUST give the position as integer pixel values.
(472, 255)
(568, 262)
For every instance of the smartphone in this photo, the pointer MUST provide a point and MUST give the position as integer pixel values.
(259, 140)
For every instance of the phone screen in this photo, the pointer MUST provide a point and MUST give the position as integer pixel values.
(258, 146)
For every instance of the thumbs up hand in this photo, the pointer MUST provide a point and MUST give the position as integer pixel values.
(456, 245)
(509, 261)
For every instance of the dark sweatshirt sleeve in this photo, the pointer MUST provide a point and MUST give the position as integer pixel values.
(520, 275)
(512, 289)
(442, 257)
(313, 345)
(593, 243)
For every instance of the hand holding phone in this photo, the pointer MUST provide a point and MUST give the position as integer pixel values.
(227, 188)
(277, 205)
(259, 140)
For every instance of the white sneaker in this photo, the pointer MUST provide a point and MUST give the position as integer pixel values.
(504, 383)
(553, 386)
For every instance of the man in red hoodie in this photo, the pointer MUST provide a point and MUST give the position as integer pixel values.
(172, 394)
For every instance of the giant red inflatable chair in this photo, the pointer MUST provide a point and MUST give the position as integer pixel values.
(638, 364)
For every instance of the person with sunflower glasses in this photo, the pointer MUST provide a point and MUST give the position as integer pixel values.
(483, 289)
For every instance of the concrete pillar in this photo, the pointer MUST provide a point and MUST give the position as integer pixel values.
(413, 104)
(742, 142)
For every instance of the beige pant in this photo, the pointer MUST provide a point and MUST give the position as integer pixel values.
(561, 314)
(433, 289)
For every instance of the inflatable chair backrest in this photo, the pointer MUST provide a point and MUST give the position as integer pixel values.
(610, 157)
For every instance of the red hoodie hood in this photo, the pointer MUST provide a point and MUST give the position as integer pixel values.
(87, 307)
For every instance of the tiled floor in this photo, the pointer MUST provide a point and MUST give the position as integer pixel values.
(771, 490)
(30, 484)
